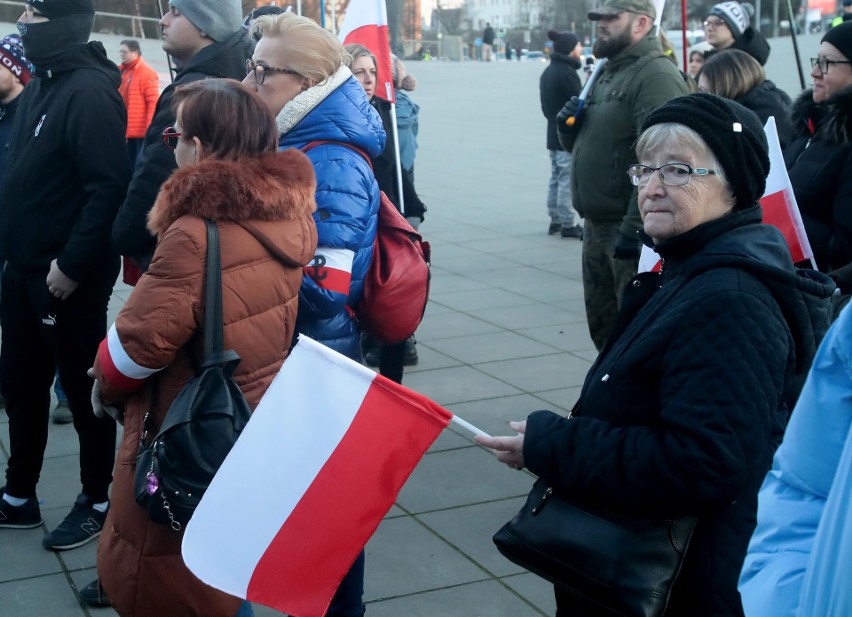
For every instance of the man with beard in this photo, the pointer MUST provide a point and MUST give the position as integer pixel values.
(67, 174)
(637, 79)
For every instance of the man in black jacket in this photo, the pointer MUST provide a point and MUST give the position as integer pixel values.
(67, 175)
(559, 82)
(206, 39)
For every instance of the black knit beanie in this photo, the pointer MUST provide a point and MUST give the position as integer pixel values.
(54, 9)
(734, 134)
(841, 37)
(563, 42)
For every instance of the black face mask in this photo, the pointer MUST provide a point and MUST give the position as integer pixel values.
(44, 40)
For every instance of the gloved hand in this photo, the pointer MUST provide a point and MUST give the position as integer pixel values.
(627, 247)
(100, 408)
(568, 134)
(843, 278)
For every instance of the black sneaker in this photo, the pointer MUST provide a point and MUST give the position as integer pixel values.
(82, 525)
(574, 231)
(554, 228)
(26, 516)
(94, 595)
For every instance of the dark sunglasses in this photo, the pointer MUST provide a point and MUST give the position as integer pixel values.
(170, 137)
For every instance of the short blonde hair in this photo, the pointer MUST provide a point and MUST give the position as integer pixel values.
(312, 51)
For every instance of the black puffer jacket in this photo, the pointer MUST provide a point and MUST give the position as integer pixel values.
(130, 235)
(67, 166)
(559, 82)
(767, 100)
(683, 409)
(819, 161)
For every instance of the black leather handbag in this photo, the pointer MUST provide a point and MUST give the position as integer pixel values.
(621, 565)
(175, 468)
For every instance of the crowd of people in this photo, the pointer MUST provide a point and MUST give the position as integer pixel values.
(279, 134)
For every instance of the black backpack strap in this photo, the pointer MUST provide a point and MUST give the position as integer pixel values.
(214, 329)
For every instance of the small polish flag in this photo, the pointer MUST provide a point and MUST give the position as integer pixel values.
(778, 205)
(314, 472)
(366, 22)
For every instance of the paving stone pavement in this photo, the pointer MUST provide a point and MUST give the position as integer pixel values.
(504, 334)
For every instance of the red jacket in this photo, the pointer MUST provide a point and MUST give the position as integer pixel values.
(140, 89)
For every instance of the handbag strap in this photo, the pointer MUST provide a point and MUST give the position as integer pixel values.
(321, 142)
(214, 329)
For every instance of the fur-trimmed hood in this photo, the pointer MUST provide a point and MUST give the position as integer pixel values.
(259, 194)
(275, 186)
(831, 120)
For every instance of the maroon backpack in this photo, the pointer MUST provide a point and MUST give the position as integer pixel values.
(396, 286)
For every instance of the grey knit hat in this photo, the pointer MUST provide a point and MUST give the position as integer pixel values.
(735, 136)
(735, 15)
(218, 19)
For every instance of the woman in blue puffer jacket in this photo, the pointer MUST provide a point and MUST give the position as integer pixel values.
(298, 69)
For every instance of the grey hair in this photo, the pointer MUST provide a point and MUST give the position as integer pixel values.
(658, 135)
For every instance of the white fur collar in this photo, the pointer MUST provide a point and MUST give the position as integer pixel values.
(304, 102)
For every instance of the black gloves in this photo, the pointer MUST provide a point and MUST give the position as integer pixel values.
(568, 134)
(843, 278)
(627, 247)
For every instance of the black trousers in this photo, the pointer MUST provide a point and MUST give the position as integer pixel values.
(390, 360)
(41, 334)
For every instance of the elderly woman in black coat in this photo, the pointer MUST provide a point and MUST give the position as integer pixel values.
(684, 407)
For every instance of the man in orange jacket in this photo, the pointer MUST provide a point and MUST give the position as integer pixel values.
(140, 89)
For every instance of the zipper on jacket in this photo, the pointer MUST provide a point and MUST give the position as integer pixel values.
(547, 493)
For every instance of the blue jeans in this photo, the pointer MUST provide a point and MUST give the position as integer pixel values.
(57, 388)
(245, 610)
(559, 205)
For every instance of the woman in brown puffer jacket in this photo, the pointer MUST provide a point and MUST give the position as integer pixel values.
(228, 170)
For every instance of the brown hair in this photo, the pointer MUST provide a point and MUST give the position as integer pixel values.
(356, 50)
(229, 119)
(732, 73)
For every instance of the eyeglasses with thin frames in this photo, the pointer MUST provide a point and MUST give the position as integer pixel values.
(260, 70)
(671, 174)
(824, 63)
(713, 23)
(170, 138)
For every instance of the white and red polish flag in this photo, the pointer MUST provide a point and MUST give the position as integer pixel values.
(366, 22)
(314, 472)
(778, 204)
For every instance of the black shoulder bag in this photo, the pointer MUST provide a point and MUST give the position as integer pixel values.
(622, 564)
(174, 470)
